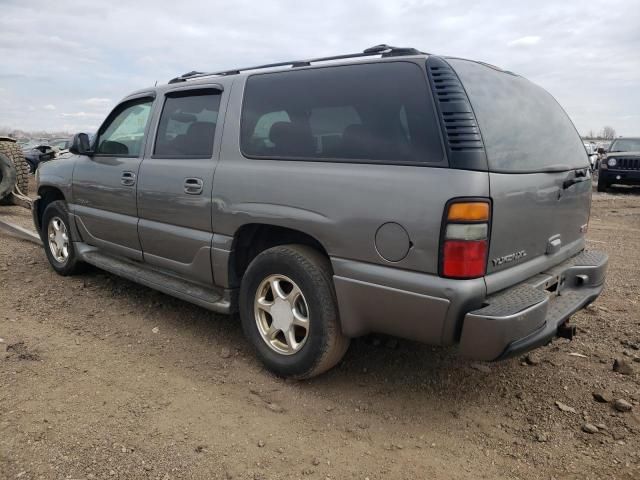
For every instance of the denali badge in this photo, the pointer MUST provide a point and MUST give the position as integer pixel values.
(512, 257)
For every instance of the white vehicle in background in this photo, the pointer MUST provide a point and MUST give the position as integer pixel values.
(592, 152)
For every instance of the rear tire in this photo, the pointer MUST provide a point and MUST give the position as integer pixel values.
(282, 280)
(602, 185)
(56, 238)
(14, 153)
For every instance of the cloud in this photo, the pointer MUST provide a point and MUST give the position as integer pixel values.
(525, 41)
(97, 101)
(84, 71)
(49, 107)
(82, 115)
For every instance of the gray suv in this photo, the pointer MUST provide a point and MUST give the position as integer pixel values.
(432, 198)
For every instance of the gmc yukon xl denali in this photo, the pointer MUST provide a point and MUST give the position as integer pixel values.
(387, 191)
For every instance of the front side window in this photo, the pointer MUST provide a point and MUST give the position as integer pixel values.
(188, 125)
(124, 134)
(378, 112)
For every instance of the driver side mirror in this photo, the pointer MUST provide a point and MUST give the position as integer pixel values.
(601, 151)
(80, 144)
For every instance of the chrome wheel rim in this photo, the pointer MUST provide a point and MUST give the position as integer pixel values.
(282, 314)
(58, 240)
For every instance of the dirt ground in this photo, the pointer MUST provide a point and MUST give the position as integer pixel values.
(102, 378)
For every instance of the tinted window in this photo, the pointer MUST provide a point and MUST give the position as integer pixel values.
(369, 112)
(124, 134)
(264, 124)
(187, 125)
(523, 127)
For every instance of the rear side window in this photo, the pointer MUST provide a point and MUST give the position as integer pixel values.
(523, 128)
(356, 113)
(188, 125)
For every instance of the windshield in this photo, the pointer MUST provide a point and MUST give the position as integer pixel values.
(625, 145)
(523, 128)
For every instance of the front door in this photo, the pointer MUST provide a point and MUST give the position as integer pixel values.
(175, 185)
(104, 183)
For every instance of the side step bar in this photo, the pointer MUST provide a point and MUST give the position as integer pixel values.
(215, 299)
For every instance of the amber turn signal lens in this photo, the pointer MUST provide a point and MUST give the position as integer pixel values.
(468, 212)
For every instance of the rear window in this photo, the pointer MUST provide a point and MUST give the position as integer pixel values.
(523, 128)
(356, 113)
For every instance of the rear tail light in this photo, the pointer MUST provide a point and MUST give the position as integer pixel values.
(465, 239)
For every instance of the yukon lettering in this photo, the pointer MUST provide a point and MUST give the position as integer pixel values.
(512, 257)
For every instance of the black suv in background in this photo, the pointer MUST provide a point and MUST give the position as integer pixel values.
(621, 164)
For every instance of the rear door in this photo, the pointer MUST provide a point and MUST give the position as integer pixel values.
(539, 178)
(176, 180)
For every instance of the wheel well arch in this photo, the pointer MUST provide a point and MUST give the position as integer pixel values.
(252, 239)
(47, 195)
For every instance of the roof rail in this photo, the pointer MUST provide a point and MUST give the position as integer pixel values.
(382, 50)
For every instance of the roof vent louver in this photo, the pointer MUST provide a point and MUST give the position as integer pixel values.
(459, 125)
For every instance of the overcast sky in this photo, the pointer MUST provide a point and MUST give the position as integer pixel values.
(65, 63)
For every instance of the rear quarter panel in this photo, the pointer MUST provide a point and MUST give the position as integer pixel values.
(342, 205)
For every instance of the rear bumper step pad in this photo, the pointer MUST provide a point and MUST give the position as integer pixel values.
(529, 314)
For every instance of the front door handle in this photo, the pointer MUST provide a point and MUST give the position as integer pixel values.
(193, 186)
(128, 179)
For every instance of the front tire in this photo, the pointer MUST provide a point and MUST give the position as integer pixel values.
(289, 312)
(56, 239)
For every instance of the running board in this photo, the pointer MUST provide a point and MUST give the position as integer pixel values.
(215, 299)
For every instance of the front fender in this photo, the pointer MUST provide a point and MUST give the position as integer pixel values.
(57, 174)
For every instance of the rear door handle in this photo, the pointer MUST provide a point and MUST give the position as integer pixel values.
(128, 179)
(193, 186)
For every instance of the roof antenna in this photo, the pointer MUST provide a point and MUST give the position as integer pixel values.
(155, 84)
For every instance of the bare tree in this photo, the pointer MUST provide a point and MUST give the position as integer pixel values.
(608, 133)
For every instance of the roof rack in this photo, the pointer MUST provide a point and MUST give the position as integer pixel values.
(383, 50)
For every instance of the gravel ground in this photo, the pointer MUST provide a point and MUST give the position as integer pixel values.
(102, 378)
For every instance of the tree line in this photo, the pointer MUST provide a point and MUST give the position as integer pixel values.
(606, 133)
